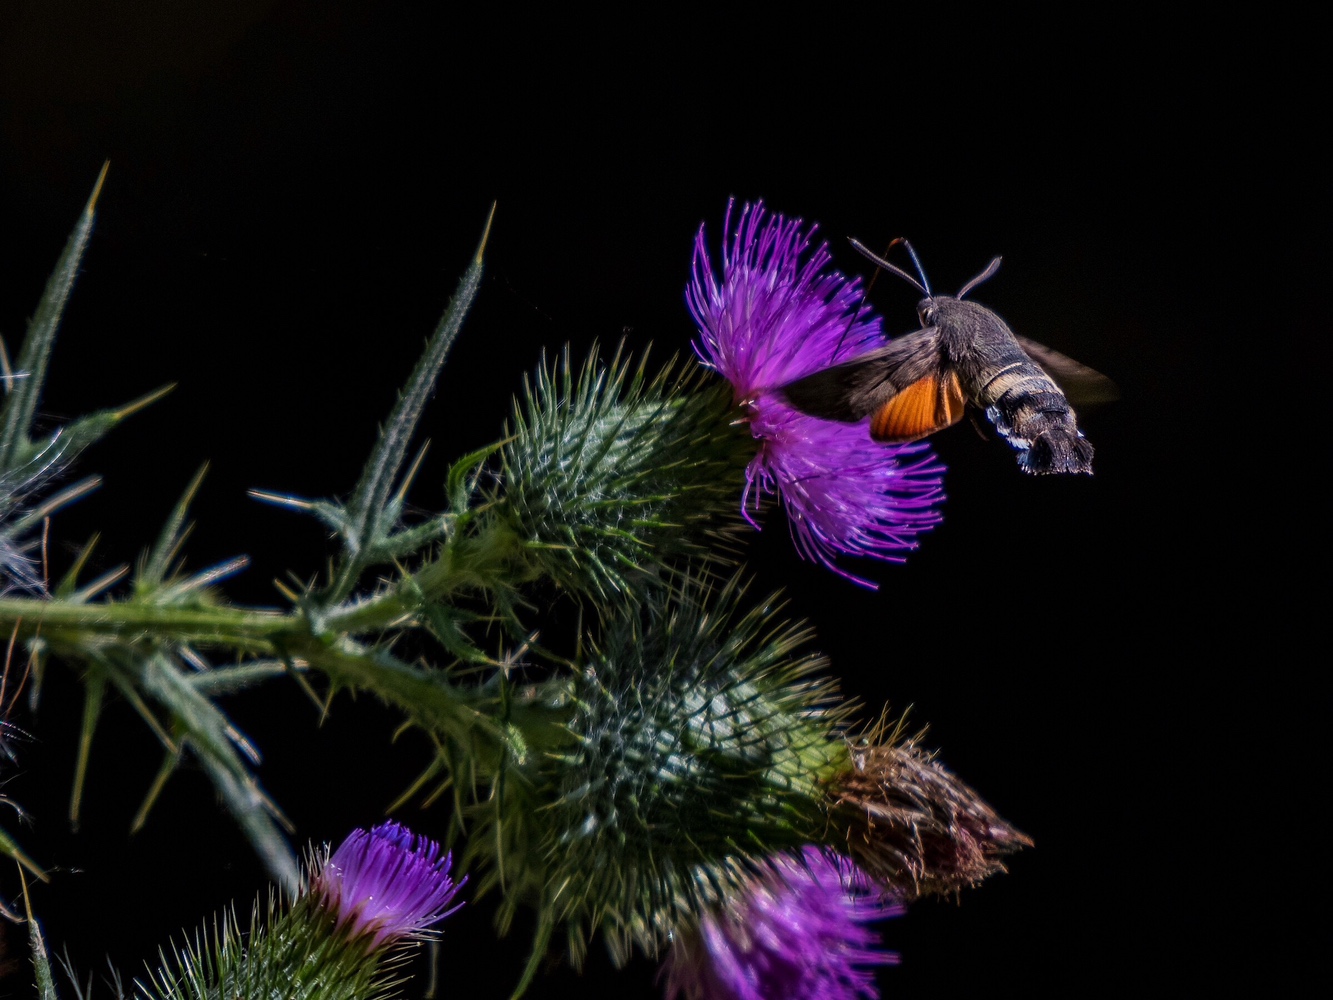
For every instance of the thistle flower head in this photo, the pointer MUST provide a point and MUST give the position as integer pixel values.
(798, 932)
(387, 884)
(775, 315)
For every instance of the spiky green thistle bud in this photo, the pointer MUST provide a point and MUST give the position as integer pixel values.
(699, 742)
(611, 475)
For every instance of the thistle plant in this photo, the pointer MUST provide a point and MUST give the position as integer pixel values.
(680, 778)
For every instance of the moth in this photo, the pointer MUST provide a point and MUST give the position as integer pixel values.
(963, 355)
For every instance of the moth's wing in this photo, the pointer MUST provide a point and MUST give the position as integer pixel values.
(1082, 386)
(851, 390)
(928, 405)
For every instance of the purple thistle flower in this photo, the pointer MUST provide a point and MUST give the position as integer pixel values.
(387, 883)
(798, 933)
(774, 318)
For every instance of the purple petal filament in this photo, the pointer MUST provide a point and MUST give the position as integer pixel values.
(388, 883)
(774, 317)
(799, 933)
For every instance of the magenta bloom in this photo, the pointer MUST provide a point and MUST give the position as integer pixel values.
(388, 883)
(799, 933)
(774, 318)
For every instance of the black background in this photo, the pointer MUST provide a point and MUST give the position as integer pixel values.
(294, 191)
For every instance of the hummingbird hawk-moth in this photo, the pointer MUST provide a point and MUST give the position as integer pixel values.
(963, 355)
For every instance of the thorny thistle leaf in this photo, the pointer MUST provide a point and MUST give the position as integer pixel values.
(28, 465)
(193, 720)
(368, 523)
(16, 423)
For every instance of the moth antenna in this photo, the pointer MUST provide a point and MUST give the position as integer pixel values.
(991, 268)
(875, 274)
(865, 252)
(925, 282)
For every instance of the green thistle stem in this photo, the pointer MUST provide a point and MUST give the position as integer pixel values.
(474, 716)
(479, 562)
(245, 629)
(493, 557)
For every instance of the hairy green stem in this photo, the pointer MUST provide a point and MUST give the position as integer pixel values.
(470, 564)
(239, 628)
(466, 565)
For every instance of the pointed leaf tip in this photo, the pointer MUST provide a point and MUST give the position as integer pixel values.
(412, 471)
(280, 499)
(21, 404)
(10, 847)
(97, 189)
(135, 405)
(156, 564)
(485, 233)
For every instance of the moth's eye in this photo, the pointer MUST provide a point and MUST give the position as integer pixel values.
(928, 316)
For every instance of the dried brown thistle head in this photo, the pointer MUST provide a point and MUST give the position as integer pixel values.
(912, 825)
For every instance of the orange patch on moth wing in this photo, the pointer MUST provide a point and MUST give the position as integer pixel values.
(924, 407)
(952, 402)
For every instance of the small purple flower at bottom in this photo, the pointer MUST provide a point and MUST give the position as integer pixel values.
(772, 318)
(387, 883)
(798, 933)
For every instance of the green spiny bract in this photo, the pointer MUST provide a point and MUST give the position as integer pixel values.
(612, 476)
(698, 743)
(289, 953)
